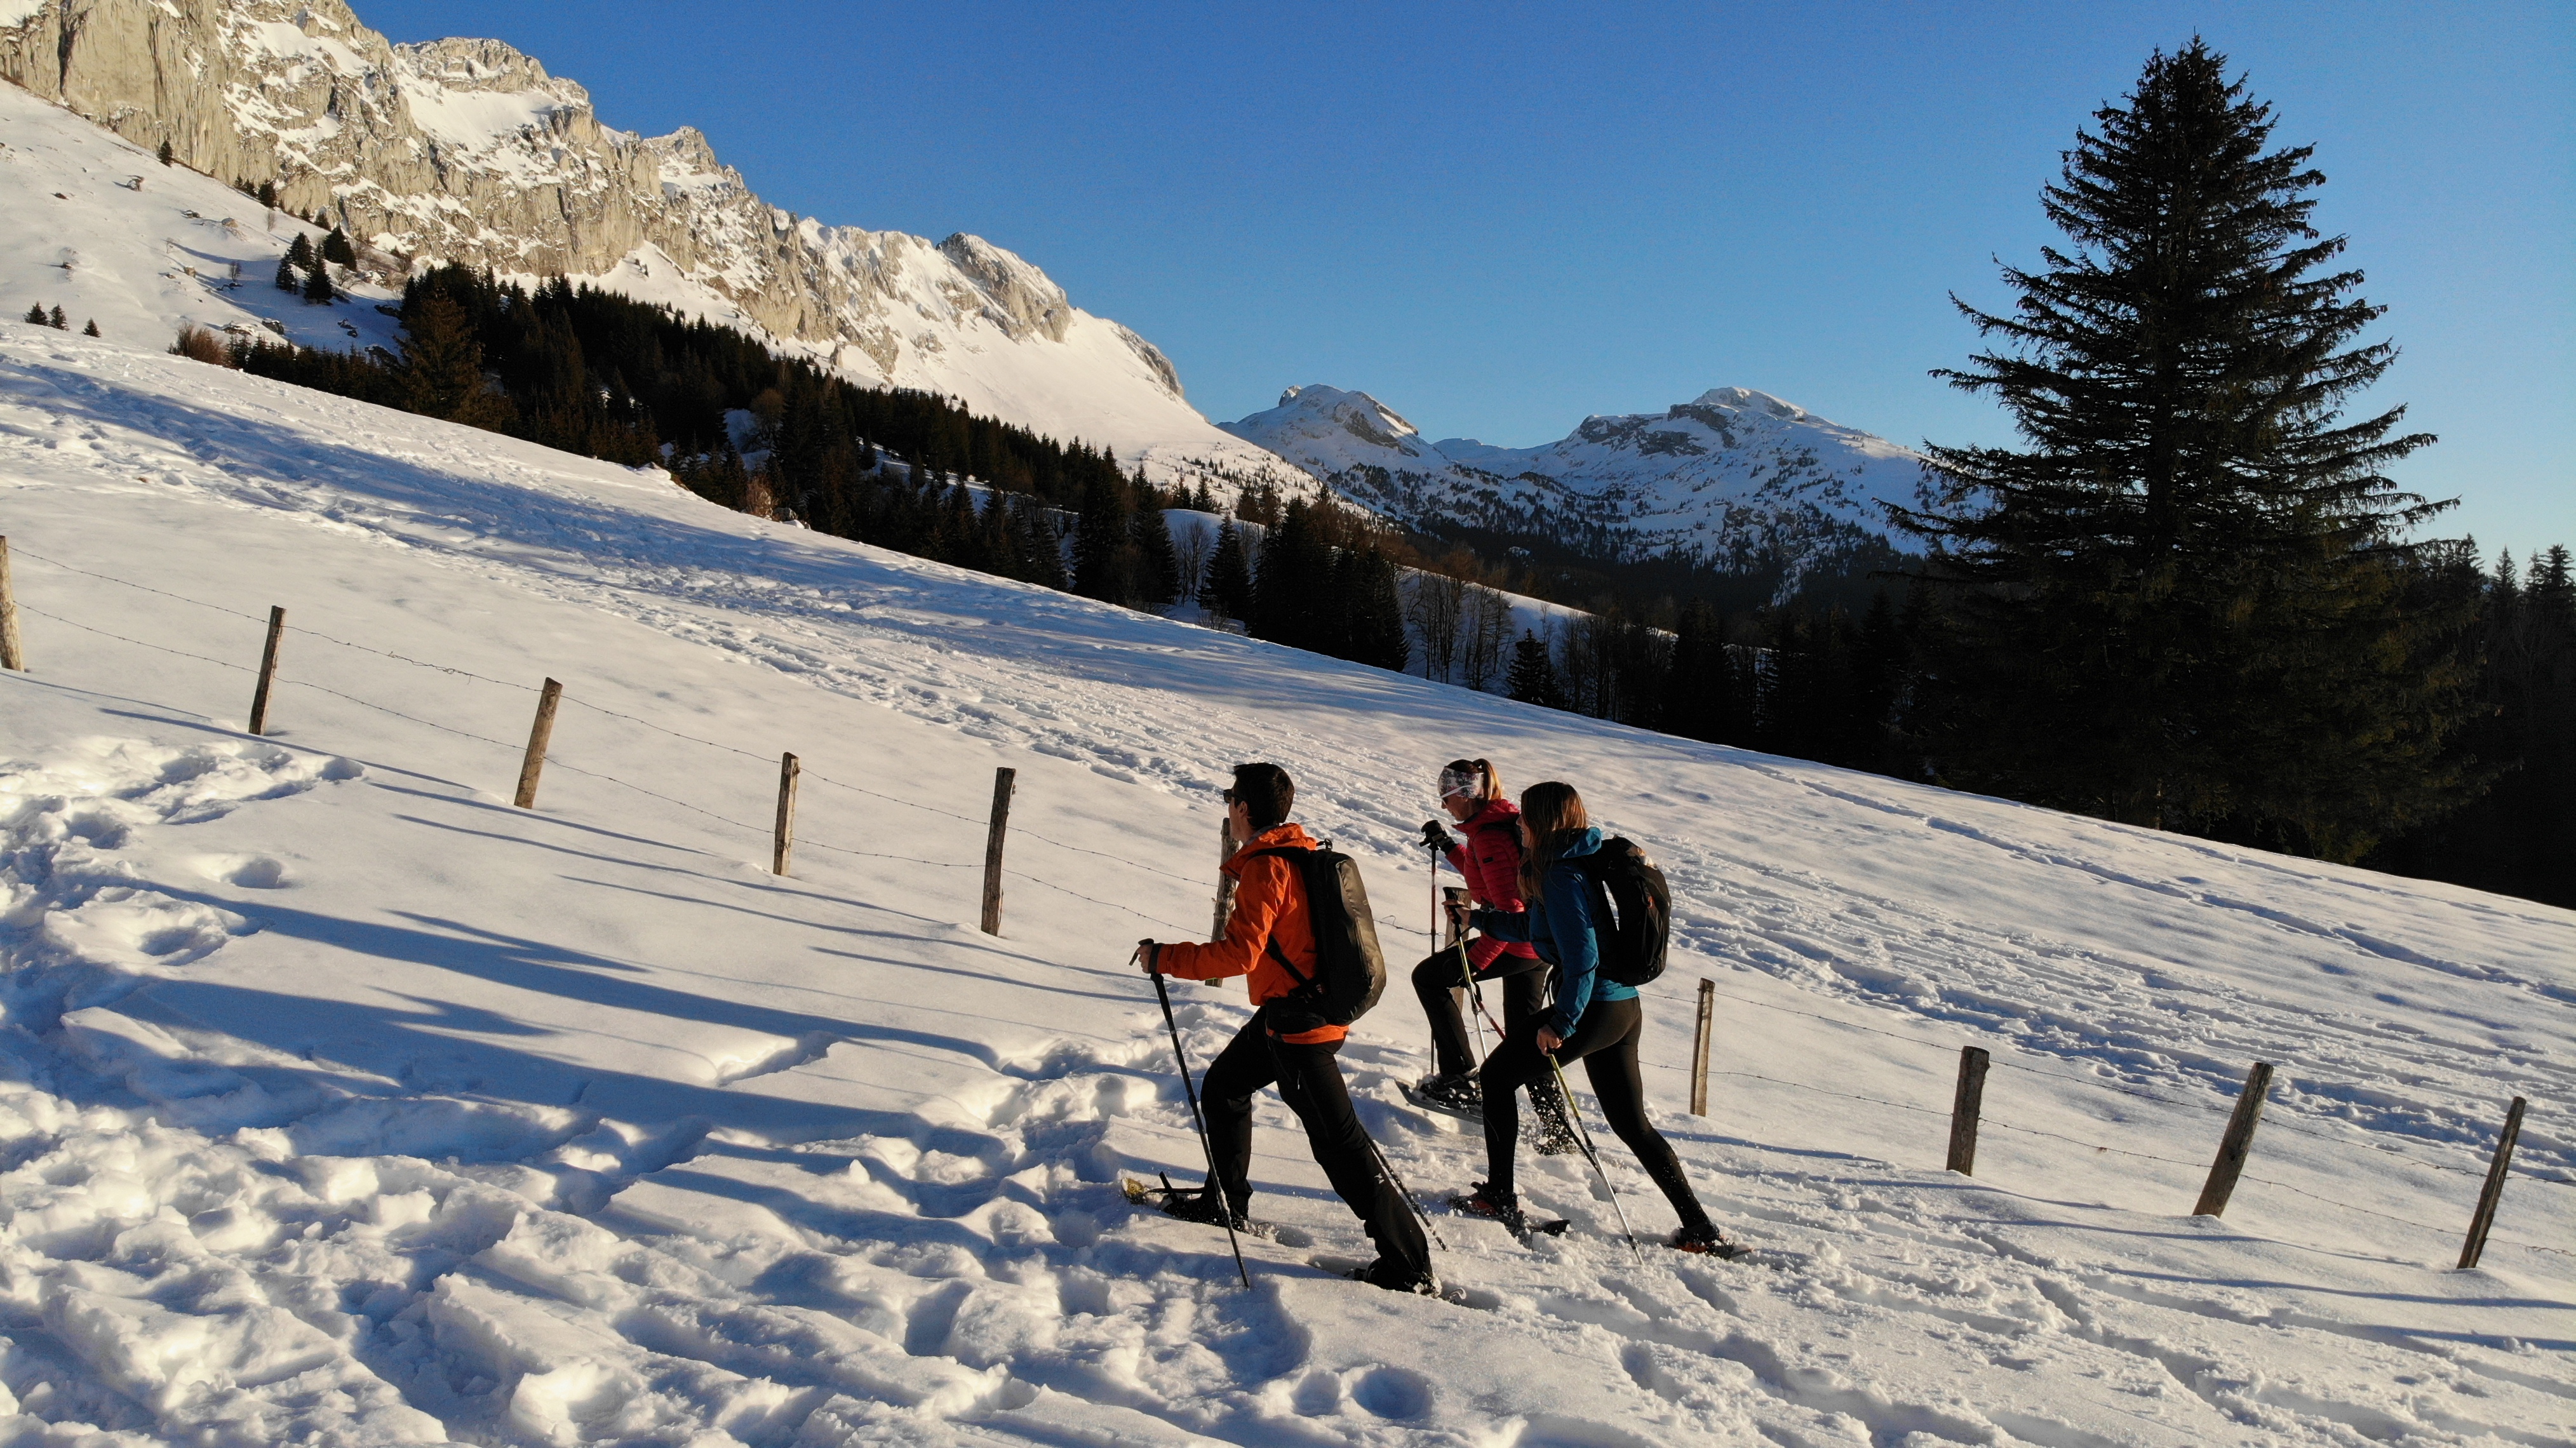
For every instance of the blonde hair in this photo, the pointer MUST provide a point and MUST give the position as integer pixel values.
(1550, 810)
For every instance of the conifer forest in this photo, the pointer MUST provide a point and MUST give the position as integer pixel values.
(2190, 598)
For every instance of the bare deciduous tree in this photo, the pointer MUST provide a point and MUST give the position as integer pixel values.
(1432, 605)
(1487, 637)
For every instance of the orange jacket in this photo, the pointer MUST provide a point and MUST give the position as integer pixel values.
(1269, 905)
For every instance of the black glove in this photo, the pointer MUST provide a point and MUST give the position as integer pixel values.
(1437, 838)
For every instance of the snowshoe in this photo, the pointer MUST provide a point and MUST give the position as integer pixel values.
(1458, 1096)
(1706, 1240)
(1197, 1204)
(1508, 1212)
(1420, 1282)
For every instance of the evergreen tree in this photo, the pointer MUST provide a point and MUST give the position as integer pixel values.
(1228, 590)
(1288, 595)
(1532, 678)
(442, 367)
(267, 193)
(1104, 545)
(1373, 609)
(336, 247)
(300, 251)
(1158, 566)
(91, 329)
(317, 286)
(58, 321)
(2183, 602)
(1040, 544)
(1705, 699)
(164, 153)
(36, 314)
(287, 280)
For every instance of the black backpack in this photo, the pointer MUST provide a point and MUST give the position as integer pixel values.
(1632, 908)
(1350, 971)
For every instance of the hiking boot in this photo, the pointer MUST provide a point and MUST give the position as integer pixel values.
(1706, 1239)
(1203, 1206)
(1485, 1202)
(1397, 1278)
(1458, 1093)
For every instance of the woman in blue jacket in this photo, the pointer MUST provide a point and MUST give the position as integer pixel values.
(1594, 1019)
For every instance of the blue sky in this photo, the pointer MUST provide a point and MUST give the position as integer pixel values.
(1501, 217)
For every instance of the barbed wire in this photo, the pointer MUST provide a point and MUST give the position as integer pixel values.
(749, 827)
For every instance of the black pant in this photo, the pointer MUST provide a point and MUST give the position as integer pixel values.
(1524, 979)
(1310, 1081)
(1605, 1040)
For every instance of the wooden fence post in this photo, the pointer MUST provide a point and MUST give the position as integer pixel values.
(267, 670)
(1224, 882)
(13, 654)
(783, 838)
(1699, 1047)
(539, 735)
(2234, 1147)
(993, 834)
(1965, 1107)
(2493, 1191)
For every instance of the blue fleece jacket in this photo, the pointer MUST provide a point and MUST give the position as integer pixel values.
(1559, 923)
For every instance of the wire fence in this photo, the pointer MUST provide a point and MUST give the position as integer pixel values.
(1128, 862)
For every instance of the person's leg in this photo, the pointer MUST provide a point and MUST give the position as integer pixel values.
(1436, 981)
(1621, 1088)
(1310, 1081)
(1515, 1063)
(1524, 980)
(1225, 1097)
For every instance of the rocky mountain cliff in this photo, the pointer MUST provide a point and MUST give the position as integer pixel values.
(1734, 477)
(468, 151)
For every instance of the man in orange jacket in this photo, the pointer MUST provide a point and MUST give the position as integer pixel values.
(1271, 938)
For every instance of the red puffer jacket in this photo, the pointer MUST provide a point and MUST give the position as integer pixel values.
(1491, 861)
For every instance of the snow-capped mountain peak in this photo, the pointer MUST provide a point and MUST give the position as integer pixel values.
(470, 151)
(1734, 476)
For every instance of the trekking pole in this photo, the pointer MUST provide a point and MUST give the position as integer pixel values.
(1401, 1189)
(1226, 1212)
(1565, 1093)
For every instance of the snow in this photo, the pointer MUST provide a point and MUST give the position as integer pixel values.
(142, 260)
(345, 1103)
(1741, 477)
(475, 120)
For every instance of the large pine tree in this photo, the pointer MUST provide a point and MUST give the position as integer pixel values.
(2183, 601)
(1228, 589)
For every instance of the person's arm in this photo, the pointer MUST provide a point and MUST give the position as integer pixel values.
(1568, 898)
(1257, 901)
(1511, 925)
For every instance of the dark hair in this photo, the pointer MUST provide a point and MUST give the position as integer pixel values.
(1552, 811)
(1265, 790)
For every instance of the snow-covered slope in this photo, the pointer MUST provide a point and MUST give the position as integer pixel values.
(1737, 477)
(468, 151)
(344, 1103)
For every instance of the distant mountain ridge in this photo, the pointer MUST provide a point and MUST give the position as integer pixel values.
(1735, 478)
(468, 151)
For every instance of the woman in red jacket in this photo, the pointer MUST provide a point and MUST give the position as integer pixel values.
(1490, 858)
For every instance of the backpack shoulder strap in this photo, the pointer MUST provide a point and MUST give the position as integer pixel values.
(1271, 945)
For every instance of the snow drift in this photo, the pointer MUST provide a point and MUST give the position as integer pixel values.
(344, 1103)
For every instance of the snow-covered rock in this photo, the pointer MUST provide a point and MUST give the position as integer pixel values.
(469, 151)
(1736, 477)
